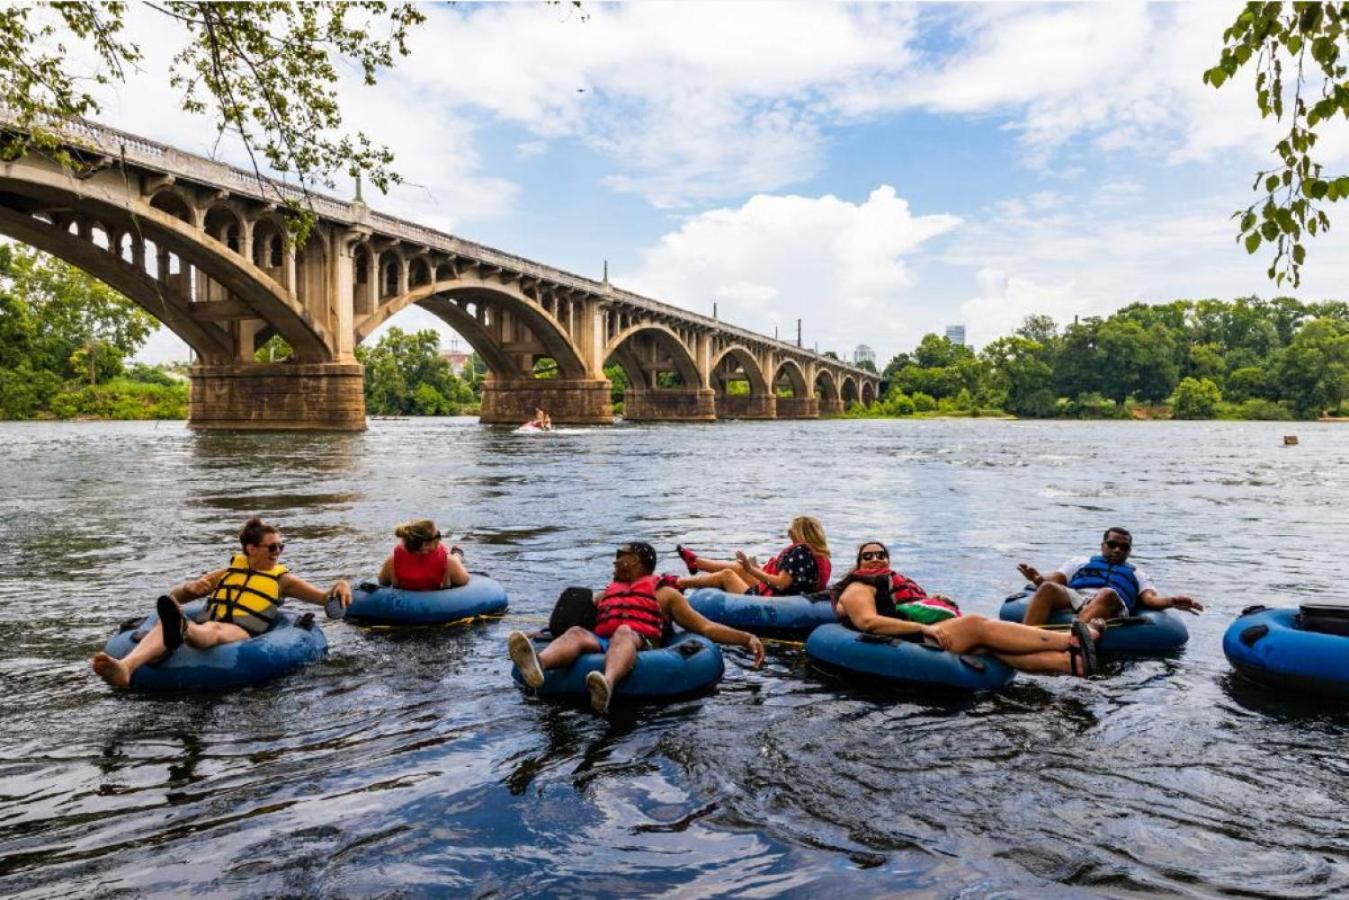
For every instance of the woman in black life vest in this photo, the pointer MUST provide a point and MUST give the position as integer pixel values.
(802, 568)
(875, 599)
(634, 613)
(245, 597)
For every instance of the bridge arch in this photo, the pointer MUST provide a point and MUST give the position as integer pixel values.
(826, 387)
(868, 392)
(789, 374)
(625, 349)
(848, 391)
(467, 305)
(758, 383)
(170, 226)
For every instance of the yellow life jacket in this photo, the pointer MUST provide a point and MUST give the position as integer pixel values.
(247, 597)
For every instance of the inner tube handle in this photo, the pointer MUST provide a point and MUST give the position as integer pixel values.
(1250, 635)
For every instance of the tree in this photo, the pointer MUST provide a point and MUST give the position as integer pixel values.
(1311, 40)
(64, 321)
(1196, 398)
(1022, 378)
(264, 72)
(1312, 372)
(406, 375)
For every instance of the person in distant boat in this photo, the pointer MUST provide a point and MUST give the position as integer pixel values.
(634, 613)
(1098, 587)
(875, 599)
(541, 420)
(245, 599)
(420, 562)
(802, 568)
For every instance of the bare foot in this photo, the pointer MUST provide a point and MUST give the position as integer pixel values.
(111, 670)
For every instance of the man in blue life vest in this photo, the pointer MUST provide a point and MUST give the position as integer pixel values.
(1098, 587)
(633, 613)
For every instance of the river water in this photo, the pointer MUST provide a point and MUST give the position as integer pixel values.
(409, 763)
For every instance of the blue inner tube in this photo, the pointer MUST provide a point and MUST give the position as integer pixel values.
(282, 649)
(688, 664)
(1269, 647)
(767, 615)
(905, 662)
(482, 596)
(1163, 632)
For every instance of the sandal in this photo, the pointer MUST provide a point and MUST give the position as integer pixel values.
(689, 557)
(173, 624)
(1084, 651)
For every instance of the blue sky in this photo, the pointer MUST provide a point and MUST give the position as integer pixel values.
(880, 170)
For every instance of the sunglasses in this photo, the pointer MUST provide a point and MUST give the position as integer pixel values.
(275, 547)
(869, 555)
(1119, 545)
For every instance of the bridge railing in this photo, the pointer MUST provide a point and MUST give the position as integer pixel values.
(173, 161)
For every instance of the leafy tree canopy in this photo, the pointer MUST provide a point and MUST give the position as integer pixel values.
(1299, 51)
(264, 72)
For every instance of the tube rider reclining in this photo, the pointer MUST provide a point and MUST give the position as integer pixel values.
(1099, 587)
(245, 599)
(634, 613)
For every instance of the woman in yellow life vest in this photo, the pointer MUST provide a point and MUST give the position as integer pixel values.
(245, 598)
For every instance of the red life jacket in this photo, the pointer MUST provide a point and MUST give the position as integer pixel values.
(631, 603)
(420, 571)
(822, 565)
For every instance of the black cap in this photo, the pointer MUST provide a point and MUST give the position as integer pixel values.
(645, 553)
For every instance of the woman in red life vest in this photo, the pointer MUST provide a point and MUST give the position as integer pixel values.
(633, 614)
(420, 562)
(876, 599)
(802, 568)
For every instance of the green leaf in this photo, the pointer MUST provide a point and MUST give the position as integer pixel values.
(1248, 221)
(1270, 230)
(1299, 254)
(1252, 242)
(1272, 183)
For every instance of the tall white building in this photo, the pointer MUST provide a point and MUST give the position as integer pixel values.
(956, 334)
(862, 353)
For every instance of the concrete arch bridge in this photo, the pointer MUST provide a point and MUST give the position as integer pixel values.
(203, 247)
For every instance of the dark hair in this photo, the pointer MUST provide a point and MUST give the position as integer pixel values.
(1123, 531)
(254, 531)
(645, 553)
(864, 545)
(417, 534)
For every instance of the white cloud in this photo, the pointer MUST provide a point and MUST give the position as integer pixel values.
(842, 267)
(530, 149)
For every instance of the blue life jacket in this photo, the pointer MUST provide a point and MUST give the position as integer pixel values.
(1098, 573)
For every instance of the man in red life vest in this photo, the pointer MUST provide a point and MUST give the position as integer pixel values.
(633, 613)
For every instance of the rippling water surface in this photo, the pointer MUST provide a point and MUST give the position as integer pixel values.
(407, 761)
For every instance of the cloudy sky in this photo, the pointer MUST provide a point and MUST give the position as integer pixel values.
(879, 171)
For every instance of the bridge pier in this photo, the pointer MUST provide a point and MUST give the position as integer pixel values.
(569, 401)
(798, 408)
(670, 405)
(831, 407)
(747, 406)
(283, 396)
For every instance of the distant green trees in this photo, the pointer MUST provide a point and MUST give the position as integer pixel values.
(64, 341)
(406, 375)
(1247, 358)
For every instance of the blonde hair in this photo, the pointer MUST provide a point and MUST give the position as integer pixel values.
(811, 532)
(417, 533)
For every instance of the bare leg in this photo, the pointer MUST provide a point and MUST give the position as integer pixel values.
(211, 634)
(1048, 662)
(117, 672)
(714, 565)
(622, 655)
(970, 632)
(1105, 605)
(1048, 599)
(732, 581)
(564, 650)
